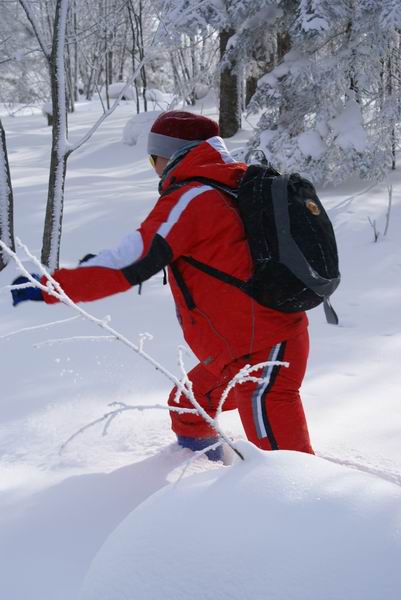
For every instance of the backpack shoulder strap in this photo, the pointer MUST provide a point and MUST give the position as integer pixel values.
(232, 192)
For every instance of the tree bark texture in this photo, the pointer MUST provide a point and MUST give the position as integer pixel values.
(229, 109)
(6, 200)
(59, 154)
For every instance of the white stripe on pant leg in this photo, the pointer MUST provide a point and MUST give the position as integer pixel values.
(260, 390)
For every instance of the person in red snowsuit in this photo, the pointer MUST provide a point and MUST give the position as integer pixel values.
(225, 328)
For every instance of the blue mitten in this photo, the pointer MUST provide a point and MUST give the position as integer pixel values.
(28, 293)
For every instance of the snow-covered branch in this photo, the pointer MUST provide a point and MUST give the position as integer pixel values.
(108, 417)
(184, 385)
(245, 376)
(35, 327)
(76, 338)
(54, 289)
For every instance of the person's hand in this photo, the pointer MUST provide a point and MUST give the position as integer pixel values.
(28, 293)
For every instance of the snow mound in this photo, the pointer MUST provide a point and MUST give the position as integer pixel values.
(115, 90)
(201, 90)
(280, 525)
(138, 127)
(159, 98)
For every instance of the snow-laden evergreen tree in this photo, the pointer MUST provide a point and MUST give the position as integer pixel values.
(332, 105)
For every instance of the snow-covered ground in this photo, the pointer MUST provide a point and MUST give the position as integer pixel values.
(57, 509)
(286, 526)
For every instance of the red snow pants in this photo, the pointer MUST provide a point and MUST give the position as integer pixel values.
(271, 412)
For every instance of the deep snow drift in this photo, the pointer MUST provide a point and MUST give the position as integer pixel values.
(277, 526)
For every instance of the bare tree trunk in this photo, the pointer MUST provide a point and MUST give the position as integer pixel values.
(176, 77)
(59, 152)
(123, 54)
(136, 23)
(390, 91)
(110, 66)
(263, 62)
(6, 200)
(230, 115)
(283, 45)
(133, 47)
(69, 82)
(250, 88)
(92, 80)
(76, 54)
(353, 76)
(286, 108)
(141, 48)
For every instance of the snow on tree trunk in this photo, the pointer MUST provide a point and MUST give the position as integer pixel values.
(6, 200)
(230, 116)
(59, 152)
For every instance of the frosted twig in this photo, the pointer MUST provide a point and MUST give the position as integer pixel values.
(178, 391)
(22, 269)
(187, 384)
(142, 338)
(376, 233)
(76, 338)
(54, 289)
(112, 414)
(201, 411)
(244, 376)
(19, 286)
(196, 454)
(36, 327)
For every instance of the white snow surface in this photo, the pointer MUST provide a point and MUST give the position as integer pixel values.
(282, 525)
(57, 510)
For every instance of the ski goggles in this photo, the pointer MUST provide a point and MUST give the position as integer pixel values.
(152, 160)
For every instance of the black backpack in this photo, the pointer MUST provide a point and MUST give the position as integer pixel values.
(291, 240)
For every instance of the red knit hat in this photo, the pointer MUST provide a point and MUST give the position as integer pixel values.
(174, 129)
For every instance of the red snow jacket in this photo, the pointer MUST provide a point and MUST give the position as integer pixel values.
(201, 222)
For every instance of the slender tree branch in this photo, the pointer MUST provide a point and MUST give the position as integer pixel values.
(38, 34)
(37, 327)
(54, 289)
